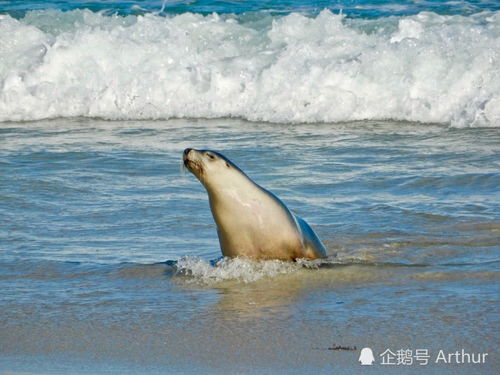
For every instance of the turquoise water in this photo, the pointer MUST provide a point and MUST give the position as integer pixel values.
(379, 126)
(354, 8)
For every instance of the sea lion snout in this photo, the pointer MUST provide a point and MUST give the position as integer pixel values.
(192, 161)
(185, 156)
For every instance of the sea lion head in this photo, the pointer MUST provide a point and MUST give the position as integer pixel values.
(210, 167)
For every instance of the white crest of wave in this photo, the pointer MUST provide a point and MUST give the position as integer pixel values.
(237, 269)
(426, 68)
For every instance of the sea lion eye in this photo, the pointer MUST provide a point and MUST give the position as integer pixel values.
(211, 157)
(227, 165)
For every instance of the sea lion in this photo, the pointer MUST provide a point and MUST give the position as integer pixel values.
(251, 221)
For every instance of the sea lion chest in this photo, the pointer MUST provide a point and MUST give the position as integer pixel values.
(255, 224)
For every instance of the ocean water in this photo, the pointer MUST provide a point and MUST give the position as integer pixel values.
(376, 121)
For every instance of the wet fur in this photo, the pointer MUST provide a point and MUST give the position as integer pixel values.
(251, 221)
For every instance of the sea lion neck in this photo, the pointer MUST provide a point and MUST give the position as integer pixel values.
(234, 189)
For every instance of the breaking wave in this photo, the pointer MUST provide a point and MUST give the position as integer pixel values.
(285, 69)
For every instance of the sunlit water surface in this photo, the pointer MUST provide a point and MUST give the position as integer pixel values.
(95, 214)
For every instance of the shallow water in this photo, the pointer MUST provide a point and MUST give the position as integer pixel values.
(91, 210)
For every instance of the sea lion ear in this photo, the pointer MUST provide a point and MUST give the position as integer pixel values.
(227, 165)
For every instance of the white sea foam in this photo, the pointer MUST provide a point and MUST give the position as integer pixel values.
(427, 68)
(237, 269)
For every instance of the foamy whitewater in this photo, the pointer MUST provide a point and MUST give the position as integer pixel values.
(291, 68)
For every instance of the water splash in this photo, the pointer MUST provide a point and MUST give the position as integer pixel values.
(201, 271)
(285, 69)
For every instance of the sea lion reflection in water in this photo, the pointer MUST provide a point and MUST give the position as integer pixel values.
(251, 221)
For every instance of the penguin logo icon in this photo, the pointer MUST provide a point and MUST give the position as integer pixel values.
(366, 357)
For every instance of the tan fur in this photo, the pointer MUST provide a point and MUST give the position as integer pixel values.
(251, 222)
